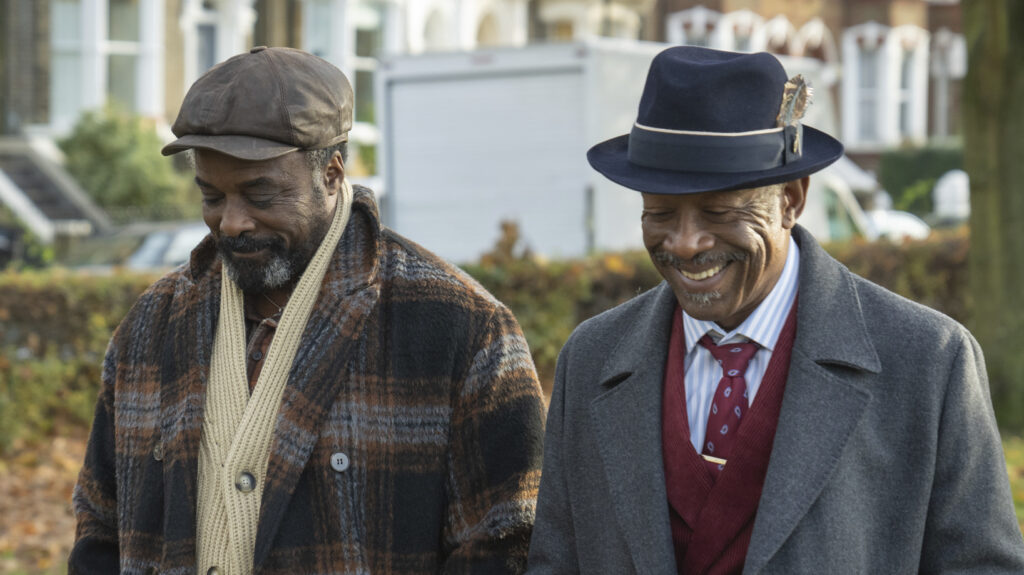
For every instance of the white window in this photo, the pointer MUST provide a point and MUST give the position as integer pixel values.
(437, 33)
(123, 51)
(213, 31)
(739, 31)
(614, 21)
(948, 64)
(907, 48)
(779, 35)
(317, 33)
(369, 45)
(105, 50)
(579, 20)
(65, 61)
(815, 40)
(884, 85)
(353, 35)
(867, 95)
(693, 27)
(906, 94)
(206, 42)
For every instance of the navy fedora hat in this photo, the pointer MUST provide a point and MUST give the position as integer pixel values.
(710, 121)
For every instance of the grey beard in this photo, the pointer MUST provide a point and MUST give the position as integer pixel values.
(703, 299)
(275, 274)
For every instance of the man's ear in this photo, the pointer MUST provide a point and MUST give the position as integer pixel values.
(334, 174)
(794, 197)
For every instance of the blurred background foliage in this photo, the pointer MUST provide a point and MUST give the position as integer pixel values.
(909, 175)
(57, 322)
(55, 330)
(115, 156)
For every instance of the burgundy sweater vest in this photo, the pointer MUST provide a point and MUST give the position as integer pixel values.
(712, 520)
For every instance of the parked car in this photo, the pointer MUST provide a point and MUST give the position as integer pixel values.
(896, 225)
(167, 248)
(143, 246)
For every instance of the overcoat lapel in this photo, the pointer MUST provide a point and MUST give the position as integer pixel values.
(627, 422)
(347, 300)
(821, 407)
(184, 372)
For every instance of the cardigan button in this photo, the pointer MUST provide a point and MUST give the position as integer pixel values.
(158, 451)
(245, 482)
(213, 571)
(339, 462)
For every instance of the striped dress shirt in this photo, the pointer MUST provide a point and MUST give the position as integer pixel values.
(762, 327)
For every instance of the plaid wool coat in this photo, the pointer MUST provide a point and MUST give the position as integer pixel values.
(406, 365)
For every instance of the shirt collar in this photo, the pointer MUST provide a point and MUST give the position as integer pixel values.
(765, 323)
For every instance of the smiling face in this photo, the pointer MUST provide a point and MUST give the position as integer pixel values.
(722, 252)
(268, 217)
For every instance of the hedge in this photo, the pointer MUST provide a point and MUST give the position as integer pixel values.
(55, 327)
(55, 324)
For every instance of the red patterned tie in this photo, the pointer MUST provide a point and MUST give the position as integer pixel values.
(730, 401)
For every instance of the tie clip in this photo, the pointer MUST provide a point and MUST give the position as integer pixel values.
(713, 459)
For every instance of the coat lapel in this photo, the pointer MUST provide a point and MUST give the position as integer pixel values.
(184, 370)
(347, 299)
(821, 407)
(627, 421)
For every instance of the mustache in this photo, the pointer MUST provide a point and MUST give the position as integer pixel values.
(246, 244)
(705, 258)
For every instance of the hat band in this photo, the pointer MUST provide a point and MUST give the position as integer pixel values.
(714, 152)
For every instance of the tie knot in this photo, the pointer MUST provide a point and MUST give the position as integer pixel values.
(734, 357)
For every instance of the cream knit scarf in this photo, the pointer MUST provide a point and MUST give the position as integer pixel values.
(238, 428)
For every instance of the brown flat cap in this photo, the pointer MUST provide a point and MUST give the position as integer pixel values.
(264, 104)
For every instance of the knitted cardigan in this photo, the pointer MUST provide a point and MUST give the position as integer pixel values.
(407, 366)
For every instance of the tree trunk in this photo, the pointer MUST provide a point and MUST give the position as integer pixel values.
(993, 109)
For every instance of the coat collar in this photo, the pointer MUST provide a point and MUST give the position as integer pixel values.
(830, 317)
(831, 331)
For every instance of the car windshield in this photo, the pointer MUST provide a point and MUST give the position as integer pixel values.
(184, 242)
(150, 253)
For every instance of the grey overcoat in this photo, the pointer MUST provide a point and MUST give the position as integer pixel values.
(887, 458)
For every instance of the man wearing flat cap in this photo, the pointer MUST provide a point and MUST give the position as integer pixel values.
(763, 410)
(311, 393)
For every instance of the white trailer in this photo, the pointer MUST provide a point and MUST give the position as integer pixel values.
(470, 139)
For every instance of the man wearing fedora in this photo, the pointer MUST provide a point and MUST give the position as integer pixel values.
(763, 410)
(311, 393)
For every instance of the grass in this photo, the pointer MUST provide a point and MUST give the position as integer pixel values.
(1013, 447)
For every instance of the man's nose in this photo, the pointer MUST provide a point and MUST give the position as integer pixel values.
(690, 238)
(235, 218)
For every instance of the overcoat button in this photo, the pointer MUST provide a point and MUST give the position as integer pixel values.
(339, 461)
(158, 451)
(245, 482)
